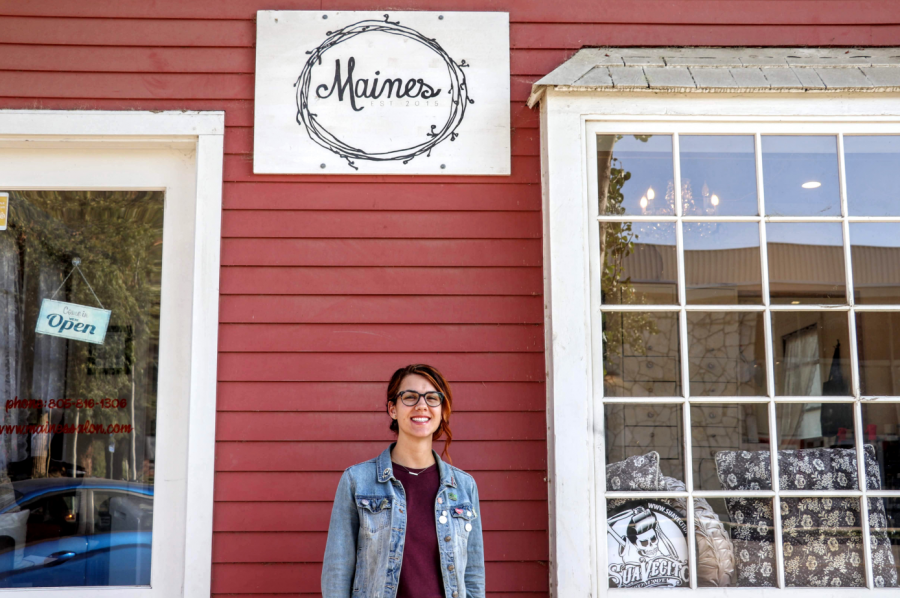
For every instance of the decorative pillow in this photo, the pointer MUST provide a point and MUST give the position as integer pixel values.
(753, 536)
(744, 470)
(715, 557)
(822, 539)
(715, 551)
(810, 469)
(640, 472)
(883, 567)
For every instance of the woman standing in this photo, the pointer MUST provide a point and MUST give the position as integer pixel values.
(407, 524)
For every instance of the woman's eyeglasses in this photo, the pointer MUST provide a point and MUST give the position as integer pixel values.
(410, 398)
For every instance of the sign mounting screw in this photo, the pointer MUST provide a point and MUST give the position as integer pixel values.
(322, 165)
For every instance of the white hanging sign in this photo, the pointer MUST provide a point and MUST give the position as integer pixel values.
(382, 93)
(73, 321)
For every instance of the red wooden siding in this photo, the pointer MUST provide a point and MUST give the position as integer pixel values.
(329, 283)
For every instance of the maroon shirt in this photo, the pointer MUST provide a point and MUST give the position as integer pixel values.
(420, 572)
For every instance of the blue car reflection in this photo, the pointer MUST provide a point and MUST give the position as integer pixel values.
(58, 532)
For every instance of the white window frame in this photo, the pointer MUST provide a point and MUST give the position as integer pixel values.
(182, 154)
(570, 121)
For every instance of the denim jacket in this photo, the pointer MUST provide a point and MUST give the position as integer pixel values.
(368, 529)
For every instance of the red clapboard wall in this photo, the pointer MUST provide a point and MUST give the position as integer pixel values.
(330, 283)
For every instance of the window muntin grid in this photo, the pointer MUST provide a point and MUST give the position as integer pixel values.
(683, 307)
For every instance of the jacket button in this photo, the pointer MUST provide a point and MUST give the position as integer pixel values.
(447, 539)
(455, 594)
(449, 567)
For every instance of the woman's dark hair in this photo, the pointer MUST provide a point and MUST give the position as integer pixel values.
(437, 380)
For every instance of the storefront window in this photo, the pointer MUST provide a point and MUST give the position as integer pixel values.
(750, 322)
(80, 276)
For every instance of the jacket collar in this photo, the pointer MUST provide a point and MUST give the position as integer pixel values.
(384, 469)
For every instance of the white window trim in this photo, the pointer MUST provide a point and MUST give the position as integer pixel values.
(575, 438)
(76, 142)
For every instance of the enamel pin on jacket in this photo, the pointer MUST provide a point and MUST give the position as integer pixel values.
(368, 530)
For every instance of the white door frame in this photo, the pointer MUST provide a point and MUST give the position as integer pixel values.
(181, 153)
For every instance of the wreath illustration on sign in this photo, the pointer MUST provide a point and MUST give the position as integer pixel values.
(458, 91)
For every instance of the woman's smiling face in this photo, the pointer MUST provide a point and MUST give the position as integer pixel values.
(419, 421)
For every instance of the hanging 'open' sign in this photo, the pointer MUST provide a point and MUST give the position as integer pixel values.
(73, 321)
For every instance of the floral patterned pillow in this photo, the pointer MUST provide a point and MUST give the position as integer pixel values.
(640, 472)
(822, 540)
(810, 469)
(753, 537)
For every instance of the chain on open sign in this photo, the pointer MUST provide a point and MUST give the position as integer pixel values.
(346, 86)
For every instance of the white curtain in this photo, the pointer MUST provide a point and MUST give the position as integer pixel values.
(10, 340)
(803, 377)
(48, 379)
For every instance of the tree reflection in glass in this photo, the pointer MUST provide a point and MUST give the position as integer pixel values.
(635, 175)
(85, 412)
(639, 263)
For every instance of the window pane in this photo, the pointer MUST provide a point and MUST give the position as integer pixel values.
(52, 517)
(822, 542)
(750, 528)
(115, 513)
(880, 430)
(641, 355)
(753, 531)
(875, 256)
(726, 353)
(721, 262)
(121, 512)
(806, 262)
(884, 530)
(647, 543)
(800, 175)
(82, 393)
(638, 262)
(878, 342)
(872, 164)
(826, 459)
(644, 453)
(811, 353)
(718, 175)
(721, 432)
(635, 174)
(644, 441)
